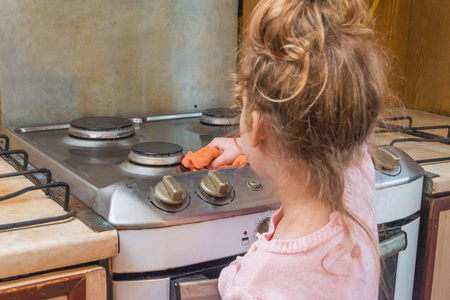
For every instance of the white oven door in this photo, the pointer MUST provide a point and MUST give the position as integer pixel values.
(195, 282)
(398, 254)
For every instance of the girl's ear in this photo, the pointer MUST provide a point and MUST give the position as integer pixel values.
(258, 129)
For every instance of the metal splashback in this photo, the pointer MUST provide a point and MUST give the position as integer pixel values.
(64, 59)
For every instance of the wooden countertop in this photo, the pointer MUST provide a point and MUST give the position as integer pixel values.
(45, 247)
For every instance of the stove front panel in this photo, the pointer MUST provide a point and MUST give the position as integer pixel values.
(177, 246)
(132, 204)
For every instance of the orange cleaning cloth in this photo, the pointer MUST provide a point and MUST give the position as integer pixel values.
(240, 160)
(203, 157)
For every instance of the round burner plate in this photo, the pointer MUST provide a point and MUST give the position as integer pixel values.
(156, 154)
(101, 128)
(220, 116)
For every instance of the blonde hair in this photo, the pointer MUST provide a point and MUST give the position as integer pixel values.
(314, 72)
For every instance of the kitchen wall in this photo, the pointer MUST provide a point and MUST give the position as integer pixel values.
(63, 59)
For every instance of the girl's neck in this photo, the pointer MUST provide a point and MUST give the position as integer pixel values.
(303, 212)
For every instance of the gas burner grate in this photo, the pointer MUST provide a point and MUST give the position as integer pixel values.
(6, 138)
(414, 131)
(22, 164)
(419, 134)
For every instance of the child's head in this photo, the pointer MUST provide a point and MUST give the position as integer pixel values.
(312, 71)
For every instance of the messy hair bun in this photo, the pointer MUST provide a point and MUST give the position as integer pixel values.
(312, 69)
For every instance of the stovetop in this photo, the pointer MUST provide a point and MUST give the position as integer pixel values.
(100, 174)
(425, 137)
(103, 162)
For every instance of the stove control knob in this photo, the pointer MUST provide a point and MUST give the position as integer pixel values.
(214, 184)
(170, 191)
(263, 226)
(254, 185)
(387, 158)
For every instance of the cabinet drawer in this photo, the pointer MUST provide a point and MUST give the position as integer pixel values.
(81, 283)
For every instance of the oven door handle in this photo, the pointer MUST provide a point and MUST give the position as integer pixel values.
(393, 245)
(205, 289)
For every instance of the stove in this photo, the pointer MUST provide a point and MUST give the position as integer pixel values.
(129, 171)
(426, 138)
(177, 227)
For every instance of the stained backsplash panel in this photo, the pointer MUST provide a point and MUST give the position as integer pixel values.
(63, 59)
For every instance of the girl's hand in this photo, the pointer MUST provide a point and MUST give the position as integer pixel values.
(230, 151)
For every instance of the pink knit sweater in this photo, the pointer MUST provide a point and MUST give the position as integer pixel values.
(313, 267)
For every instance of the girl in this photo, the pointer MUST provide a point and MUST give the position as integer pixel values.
(311, 83)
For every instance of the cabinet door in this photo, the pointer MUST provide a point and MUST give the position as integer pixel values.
(428, 60)
(433, 258)
(441, 275)
(82, 283)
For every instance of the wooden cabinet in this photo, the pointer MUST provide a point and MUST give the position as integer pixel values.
(392, 18)
(428, 61)
(415, 33)
(76, 284)
(433, 256)
(247, 7)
